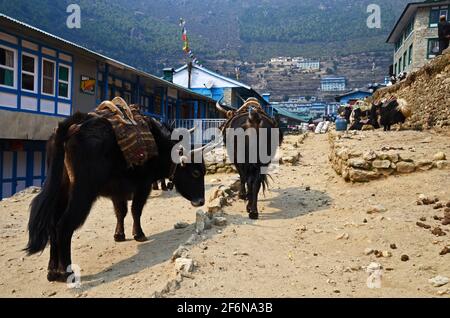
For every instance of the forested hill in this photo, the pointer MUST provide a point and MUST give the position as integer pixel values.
(145, 33)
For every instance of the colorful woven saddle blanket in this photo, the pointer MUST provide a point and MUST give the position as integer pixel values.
(131, 129)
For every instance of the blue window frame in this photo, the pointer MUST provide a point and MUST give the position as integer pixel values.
(21, 167)
(29, 80)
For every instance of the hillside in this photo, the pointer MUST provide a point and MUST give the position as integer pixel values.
(427, 92)
(146, 33)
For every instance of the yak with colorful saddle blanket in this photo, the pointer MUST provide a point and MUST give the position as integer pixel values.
(131, 129)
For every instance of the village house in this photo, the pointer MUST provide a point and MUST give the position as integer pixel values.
(44, 79)
(415, 35)
(352, 97)
(309, 65)
(231, 92)
(333, 84)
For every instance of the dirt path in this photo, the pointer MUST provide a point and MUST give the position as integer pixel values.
(293, 251)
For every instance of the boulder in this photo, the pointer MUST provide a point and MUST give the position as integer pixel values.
(394, 157)
(180, 225)
(184, 265)
(216, 205)
(370, 155)
(381, 164)
(442, 164)
(439, 156)
(358, 163)
(438, 281)
(376, 209)
(180, 252)
(406, 158)
(220, 221)
(424, 164)
(202, 222)
(362, 176)
(405, 167)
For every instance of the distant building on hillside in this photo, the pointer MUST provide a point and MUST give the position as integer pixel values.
(333, 84)
(415, 34)
(309, 65)
(308, 110)
(351, 97)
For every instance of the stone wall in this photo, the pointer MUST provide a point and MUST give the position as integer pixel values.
(362, 164)
(427, 92)
(289, 154)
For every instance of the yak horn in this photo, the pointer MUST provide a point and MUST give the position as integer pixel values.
(228, 114)
(192, 130)
(207, 148)
(220, 108)
(183, 161)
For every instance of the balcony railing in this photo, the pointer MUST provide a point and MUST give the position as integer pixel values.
(204, 128)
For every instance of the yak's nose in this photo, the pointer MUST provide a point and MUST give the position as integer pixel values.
(198, 203)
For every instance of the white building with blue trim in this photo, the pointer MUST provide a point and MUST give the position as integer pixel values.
(44, 79)
(218, 87)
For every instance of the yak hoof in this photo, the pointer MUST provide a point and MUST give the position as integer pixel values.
(140, 238)
(52, 276)
(254, 215)
(119, 238)
(55, 276)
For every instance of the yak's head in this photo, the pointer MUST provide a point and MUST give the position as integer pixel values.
(189, 178)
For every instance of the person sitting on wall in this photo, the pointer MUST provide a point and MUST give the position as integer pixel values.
(444, 34)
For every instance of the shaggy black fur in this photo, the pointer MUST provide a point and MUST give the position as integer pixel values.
(91, 155)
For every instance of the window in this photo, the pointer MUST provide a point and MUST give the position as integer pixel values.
(127, 97)
(433, 48)
(410, 54)
(48, 77)
(7, 67)
(64, 81)
(400, 63)
(395, 69)
(29, 71)
(405, 55)
(435, 14)
(100, 89)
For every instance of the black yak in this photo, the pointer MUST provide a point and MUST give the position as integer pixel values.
(394, 111)
(251, 120)
(85, 163)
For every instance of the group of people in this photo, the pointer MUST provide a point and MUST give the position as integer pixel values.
(444, 34)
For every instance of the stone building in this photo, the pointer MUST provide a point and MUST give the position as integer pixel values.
(415, 34)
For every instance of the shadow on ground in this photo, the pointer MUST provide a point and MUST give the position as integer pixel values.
(289, 203)
(157, 250)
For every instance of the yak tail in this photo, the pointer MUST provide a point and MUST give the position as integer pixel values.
(43, 208)
(264, 179)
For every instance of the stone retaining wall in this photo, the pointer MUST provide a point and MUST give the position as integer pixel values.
(217, 161)
(364, 165)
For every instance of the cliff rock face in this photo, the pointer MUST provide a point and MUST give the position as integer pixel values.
(427, 92)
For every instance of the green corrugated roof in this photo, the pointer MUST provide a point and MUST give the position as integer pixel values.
(291, 115)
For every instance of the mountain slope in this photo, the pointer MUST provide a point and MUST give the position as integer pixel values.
(146, 33)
